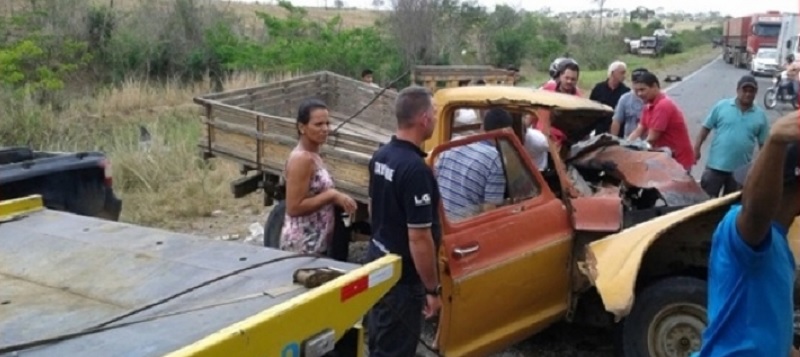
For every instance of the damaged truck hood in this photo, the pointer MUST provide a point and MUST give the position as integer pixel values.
(612, 263)
(638, 167)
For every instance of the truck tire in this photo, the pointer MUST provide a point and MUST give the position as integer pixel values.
(274, 225)
(667, 320)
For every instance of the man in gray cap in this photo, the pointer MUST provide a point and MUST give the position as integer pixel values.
(738, 124)
(751, 268)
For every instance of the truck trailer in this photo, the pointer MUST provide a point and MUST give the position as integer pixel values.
(787, 40)
(743, 36)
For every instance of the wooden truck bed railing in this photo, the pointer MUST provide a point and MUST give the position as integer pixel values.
(256, 126)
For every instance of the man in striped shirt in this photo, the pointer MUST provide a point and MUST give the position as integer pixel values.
(471, 178)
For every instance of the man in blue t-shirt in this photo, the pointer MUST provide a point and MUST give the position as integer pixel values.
(751, 269)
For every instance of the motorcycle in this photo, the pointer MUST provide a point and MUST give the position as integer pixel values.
(779, 93)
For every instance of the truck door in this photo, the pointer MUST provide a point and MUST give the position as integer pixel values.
(504, 271)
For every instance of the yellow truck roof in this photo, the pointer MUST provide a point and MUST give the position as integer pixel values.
(62, 273)
(522, 95)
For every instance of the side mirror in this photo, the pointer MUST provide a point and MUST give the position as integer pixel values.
(788, 44)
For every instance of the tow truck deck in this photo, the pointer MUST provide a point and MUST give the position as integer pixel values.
(65, 274)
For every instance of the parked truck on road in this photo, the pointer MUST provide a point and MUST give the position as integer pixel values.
(788, 38)
(743, 36)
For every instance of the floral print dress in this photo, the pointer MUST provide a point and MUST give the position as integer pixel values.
(311, 233)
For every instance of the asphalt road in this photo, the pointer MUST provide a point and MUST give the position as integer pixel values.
(698, 92)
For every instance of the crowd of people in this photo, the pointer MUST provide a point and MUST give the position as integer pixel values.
(749, 255)
(645, 112)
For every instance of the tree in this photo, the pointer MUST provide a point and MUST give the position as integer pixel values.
(601, 4)
(339, 4)
(413, 24)
(377, 4)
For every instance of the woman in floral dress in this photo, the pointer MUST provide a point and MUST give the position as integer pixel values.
(310, 192)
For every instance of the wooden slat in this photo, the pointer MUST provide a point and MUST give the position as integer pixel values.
(257, 126)
(254, 89)
(294, 90)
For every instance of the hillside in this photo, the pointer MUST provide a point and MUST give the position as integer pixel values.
(351, 17)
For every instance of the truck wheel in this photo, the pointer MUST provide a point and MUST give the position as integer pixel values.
(667, 319)
(274, 225)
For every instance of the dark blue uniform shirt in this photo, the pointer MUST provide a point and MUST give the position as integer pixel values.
(404, 194)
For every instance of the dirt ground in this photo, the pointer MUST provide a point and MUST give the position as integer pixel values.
(244, 222)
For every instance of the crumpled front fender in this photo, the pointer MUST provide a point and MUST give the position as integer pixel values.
(612, 263)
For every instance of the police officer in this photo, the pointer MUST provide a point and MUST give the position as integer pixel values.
(404, 201)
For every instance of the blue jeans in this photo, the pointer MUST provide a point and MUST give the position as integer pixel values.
(394, 324)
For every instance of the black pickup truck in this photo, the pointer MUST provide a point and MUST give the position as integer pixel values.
(79, 182)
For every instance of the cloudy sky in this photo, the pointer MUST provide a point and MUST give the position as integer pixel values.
(732, 7)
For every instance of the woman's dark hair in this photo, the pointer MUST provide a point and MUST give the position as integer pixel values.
(647, 78)
(306, 108)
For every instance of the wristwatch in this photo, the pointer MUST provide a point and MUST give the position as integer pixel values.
(435, 292)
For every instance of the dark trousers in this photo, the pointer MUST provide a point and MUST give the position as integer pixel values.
(714, 181)
(339, 247)
(394, 324)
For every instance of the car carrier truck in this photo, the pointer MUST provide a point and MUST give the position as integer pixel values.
(743, 36)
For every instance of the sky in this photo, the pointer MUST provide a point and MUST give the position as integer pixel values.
(729, 7)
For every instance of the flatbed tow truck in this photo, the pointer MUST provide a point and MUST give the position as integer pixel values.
(82, 286)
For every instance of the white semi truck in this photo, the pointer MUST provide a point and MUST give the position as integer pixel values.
(788, 38)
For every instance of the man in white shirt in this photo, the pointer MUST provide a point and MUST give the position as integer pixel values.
(535, 144)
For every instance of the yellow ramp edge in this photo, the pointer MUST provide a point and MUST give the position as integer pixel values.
(11, 209)
(280, 330)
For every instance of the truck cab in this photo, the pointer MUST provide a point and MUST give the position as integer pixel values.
(547, 250)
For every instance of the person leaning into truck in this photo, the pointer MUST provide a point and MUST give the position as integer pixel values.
(628, 111)
(751, 270)
(404, 198)
(310, 193)
(471, 177)
(662, 121)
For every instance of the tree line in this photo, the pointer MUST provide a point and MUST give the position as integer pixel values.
(49, 44)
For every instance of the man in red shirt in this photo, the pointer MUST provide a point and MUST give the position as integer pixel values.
(662, 121)
(566, 79)
(567, 75)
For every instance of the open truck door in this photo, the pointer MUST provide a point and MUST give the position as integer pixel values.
(509, 251)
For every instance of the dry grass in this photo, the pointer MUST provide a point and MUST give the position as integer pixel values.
(167, 185)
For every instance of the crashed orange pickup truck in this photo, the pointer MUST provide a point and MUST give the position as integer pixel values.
(608, 234)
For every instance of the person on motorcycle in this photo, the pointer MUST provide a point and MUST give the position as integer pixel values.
(789, 81)
(564, 76)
